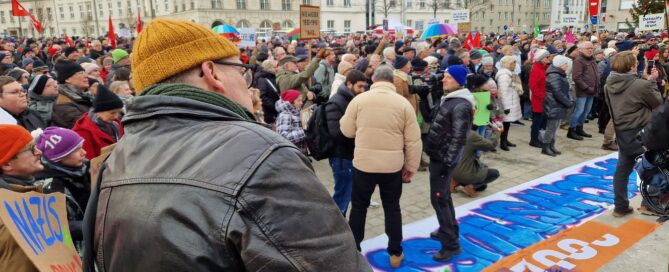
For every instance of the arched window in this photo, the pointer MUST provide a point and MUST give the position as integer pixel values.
(287, 24)
(243, 24)
(265, 26)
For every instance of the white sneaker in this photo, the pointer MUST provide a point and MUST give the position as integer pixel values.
(374, 204)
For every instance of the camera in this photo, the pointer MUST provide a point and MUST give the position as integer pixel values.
(423, 85)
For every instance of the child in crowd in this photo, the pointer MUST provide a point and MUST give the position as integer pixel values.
(288, 122)
(65, 171)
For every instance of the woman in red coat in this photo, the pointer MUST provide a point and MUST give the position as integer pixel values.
(538, 91)
(100, 126)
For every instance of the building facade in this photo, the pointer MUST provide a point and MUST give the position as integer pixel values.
(517, 15)
(90, 17)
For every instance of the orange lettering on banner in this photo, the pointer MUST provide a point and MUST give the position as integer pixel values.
(583, 248)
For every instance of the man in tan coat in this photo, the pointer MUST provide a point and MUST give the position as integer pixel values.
(387, 152)
(401, 80)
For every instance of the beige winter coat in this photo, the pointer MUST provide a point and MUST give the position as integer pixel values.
(387, 136)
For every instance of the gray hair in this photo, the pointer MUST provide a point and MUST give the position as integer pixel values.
(347, 57)
(374, 56)
(388, 51)
(95, 42)
(582, 44)
(383, 73)
(422, 46)
(268, 64)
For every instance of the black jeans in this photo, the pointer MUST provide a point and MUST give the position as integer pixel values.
(538, 123)
(440, 197)
(620, 181)
(491, 176)
(604, 116)
(390, 189)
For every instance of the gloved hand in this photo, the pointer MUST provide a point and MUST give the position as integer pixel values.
(490, 107)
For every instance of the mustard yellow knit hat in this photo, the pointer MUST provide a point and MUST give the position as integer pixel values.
(168, 47)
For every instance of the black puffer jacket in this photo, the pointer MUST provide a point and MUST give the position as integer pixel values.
(557, 99)
(269, 94)
(450, 128)
(656, 132)
(211, 192)
(334, 110)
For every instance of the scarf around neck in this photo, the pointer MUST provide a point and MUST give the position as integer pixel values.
(195, 93)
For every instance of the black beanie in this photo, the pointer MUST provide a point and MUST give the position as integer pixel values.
(38, 84)
(65, 69)
(105, 100)
(400, 61)
(418, 64)
(476, 81)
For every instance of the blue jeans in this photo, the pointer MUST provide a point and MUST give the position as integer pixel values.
(342, 170)
(581, 110)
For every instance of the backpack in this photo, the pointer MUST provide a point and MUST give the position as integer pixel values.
(319, 141)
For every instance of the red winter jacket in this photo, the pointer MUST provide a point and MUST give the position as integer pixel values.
(94, 138)
(538, 86)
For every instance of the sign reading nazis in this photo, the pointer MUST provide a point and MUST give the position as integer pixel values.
(310, 22)
(38, 223)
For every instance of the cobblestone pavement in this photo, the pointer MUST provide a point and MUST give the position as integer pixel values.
(522, 164)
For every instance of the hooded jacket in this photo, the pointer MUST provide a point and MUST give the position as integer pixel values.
(631, 100)
(557, 99)
(471, 170)
(70, 105)
(451, 126)
(213, 192)
(30, 120)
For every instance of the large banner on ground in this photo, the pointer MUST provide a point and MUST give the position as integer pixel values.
(38, 223)
(501, 224)
(588, 247)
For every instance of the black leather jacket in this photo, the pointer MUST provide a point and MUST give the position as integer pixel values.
(557, 99)
(193, 187)
(450, 128)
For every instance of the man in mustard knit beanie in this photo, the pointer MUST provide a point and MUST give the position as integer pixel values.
(195, 184)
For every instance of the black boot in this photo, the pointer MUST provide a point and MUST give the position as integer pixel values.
(535, 143)
(573, 135)
(510, 144)
(503, 146)
(546, 150)
(580, 132)
(552, 146)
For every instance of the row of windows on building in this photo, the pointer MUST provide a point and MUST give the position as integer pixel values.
(533, 3)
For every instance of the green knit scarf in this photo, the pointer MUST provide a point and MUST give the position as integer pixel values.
(195, 93)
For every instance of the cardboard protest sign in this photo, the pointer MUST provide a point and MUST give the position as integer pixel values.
(310, 22)
(651, 22)
(464, 27)
(38, 223)
(482, 115)
(96, 162)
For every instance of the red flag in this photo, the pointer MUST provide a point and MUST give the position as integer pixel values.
(36, 24)
(468, 42)
(477, 40)
(111, 35)
(139, 22)
(68, 40)
(18, 10)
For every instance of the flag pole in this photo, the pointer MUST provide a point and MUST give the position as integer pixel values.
(20, 28)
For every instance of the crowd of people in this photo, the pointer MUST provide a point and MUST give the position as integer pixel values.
(210, 147)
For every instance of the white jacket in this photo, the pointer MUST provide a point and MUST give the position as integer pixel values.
(339, 79)
(508, 95)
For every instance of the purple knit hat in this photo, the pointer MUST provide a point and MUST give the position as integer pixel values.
(57, 143)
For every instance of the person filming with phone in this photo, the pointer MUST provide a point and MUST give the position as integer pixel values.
(653, 61)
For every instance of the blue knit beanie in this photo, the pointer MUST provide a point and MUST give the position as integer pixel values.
(459, 73)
